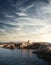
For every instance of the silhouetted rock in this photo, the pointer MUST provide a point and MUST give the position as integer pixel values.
(44, 52)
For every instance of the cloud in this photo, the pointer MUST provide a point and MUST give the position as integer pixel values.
(21, 14)
(25, 18)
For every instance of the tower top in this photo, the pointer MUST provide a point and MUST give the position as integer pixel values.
(28, 41)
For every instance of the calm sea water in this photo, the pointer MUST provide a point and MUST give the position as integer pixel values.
(20, 57)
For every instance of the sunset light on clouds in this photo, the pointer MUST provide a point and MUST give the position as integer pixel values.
(22, 20)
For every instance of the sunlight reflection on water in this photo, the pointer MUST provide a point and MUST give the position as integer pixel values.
(20, 57)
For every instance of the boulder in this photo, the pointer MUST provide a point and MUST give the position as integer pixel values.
(44, 52)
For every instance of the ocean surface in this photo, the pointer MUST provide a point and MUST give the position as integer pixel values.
(20, 57)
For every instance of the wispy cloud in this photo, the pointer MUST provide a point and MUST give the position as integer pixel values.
(21, 14)
(26, 18)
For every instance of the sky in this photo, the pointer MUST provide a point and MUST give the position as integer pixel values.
(22, 20)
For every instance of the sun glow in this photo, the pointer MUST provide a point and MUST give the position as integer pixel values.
(47, 38)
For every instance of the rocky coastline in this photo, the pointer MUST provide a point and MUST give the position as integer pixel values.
(42, 49)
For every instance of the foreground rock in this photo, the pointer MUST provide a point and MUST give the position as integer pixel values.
(44, 52)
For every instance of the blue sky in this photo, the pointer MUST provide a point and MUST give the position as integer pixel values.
(25, 19)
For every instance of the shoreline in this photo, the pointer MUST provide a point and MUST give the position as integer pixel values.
(43, 50)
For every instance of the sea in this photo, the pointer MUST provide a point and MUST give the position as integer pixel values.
(20, 57)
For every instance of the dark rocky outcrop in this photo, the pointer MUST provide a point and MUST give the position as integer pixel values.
(43, 52)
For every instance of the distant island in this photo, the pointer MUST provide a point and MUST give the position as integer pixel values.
(42, 49)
